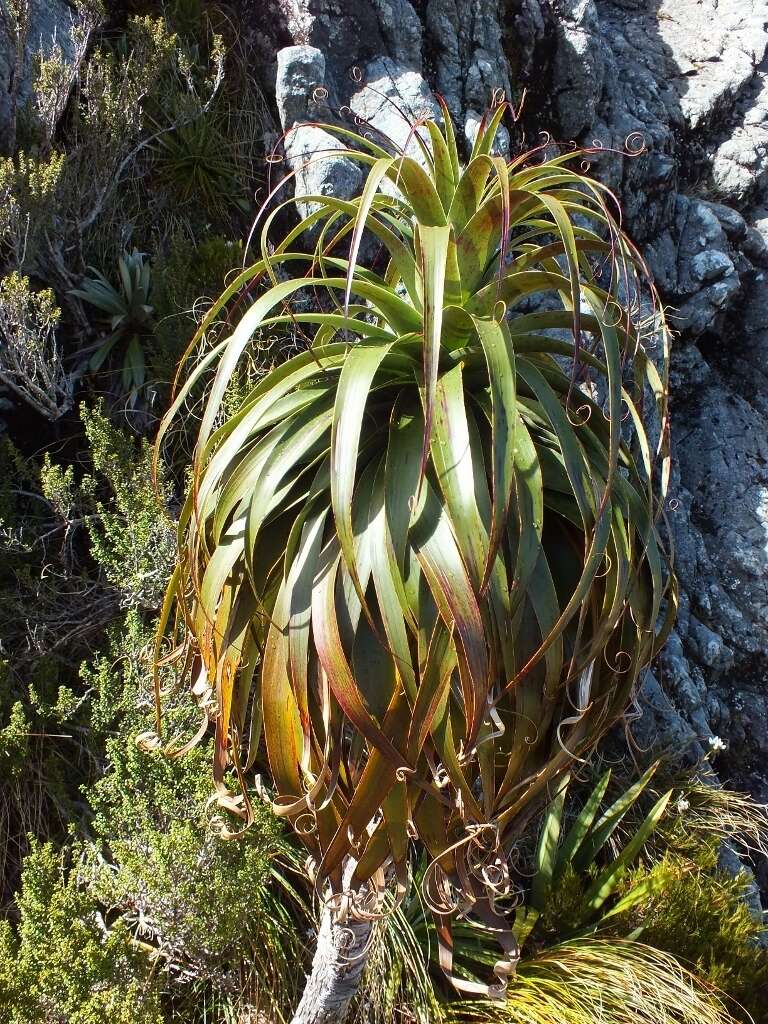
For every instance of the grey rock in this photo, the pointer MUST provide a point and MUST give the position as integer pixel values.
(716, 45)
(466, 44)
(729, 861)
(300, 70)
(704, 279)
(312, 153)
(708, 647)
(755, 246)
(352, 32)
(401, 30)
(661, 726)
(529, 21)
(51, 26)
(501, 144)
(740, 160)
(579, 64)
(724, 539)
(391, 100)
(731, 221)
(685, 683)
(710, 265)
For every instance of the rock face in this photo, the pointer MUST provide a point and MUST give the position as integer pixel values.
(310, 151)
(388, 58)
(47, 29)
(673, 97)
(691, 78)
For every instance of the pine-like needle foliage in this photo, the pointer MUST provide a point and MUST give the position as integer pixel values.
(421, 560)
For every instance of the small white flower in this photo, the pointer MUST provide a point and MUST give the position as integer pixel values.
(716, 743)
(683, 805)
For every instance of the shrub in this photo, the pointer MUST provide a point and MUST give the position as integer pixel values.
(131, 532)
(172, 873)
(63, 965)
(30, 356)
(163, 866)
(700, 915)
(29, 195)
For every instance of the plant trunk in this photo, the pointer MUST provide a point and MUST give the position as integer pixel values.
(337, 967)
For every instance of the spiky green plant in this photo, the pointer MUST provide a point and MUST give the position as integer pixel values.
(567, 891)
(129, 315)
(199, 162)
(421, 560)
(570, 889)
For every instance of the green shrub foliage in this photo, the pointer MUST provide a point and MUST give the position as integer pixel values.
(698, 912)
(63, 964)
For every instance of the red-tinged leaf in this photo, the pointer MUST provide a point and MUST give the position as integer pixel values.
(450, 137)
(352, 394)
(235, 347)
(402, 474)
(469, 192)
(330, 651)
(487, 131)
(419, 190)
(430, 819)
(433, 688)
(282, 723)
(573, 457)
(390, 589)
(452, 591)
(362, 210)
(376, 782)
(447, 747)
(434, 254)
(299, 589)
(377, 851)
(395, 808)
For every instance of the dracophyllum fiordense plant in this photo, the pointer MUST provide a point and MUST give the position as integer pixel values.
(419, 568)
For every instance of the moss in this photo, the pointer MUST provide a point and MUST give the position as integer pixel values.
(565, 909)
(698, 913)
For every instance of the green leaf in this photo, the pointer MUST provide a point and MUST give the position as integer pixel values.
(546, 852)
(434, 254)
(357, 375)
(607, 880)
(500, 356)
(610, 820)
(453, 594)
(581, 826)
